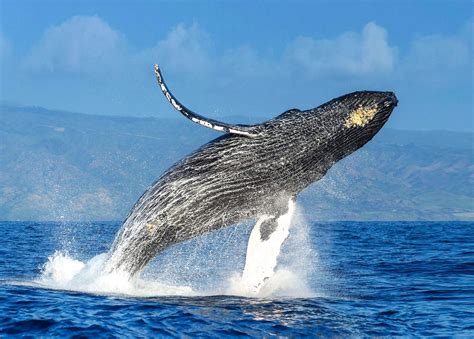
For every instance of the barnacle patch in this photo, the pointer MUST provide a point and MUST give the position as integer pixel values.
(151, 227)
(360, 117)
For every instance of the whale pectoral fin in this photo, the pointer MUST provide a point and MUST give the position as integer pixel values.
(267, 227)
(266, 239)
(245, 130)
(270, 224)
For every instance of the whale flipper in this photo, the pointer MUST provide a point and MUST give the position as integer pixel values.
(266, 239)
(267, 227)
(245, 130)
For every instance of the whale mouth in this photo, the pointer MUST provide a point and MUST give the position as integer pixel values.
(390, 101)
(387, 105)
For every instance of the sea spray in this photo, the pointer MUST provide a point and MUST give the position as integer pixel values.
(65, 273)
(203, 262)
(262, 254)
(60, 269)
(296, 262)
(205, 265)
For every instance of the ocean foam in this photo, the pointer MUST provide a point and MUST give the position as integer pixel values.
(289, 267)
(66, 273)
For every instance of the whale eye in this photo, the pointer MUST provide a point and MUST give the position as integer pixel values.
(360, 116)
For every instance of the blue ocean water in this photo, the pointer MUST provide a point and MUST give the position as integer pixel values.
(342, 278)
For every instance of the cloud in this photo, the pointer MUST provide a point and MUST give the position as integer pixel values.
(351, 53)
(188, 50)
(434, 52)
(88, 45)
(439, 57)
(185, 49)
(365, 53)
(81, 44)
(245, 61)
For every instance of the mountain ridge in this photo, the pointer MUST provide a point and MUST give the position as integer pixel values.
(73, 166)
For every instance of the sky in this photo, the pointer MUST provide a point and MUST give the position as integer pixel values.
(240, 61)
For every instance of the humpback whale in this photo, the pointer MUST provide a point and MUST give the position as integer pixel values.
(249, 172)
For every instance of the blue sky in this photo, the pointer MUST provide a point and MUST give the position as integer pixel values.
(249, 59)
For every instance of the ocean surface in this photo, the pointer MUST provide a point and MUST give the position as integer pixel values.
(332, 279)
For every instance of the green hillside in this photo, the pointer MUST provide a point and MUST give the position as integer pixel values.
(59, 165)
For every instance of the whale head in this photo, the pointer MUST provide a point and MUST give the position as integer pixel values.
(345, 124)
(365, 111)
(355, 118)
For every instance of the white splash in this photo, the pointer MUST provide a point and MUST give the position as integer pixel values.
(65, 273)
(264, 274)
(262, 255)
(276, 267)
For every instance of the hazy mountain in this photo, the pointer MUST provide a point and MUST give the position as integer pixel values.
(59, 165)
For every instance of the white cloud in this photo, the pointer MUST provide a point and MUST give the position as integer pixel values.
(439, 57)
(351, 53)
(435, 52)
(81, 44)
(184, 49)
(88, 45)
(245, 61)
(188, 50)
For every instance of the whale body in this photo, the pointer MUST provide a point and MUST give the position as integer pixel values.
(250, 171)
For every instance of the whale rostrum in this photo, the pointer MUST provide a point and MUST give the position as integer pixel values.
(249, 172)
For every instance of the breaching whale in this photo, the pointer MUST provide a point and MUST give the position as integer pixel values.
(249, 172)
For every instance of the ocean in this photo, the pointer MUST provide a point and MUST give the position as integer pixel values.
(332, 279)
